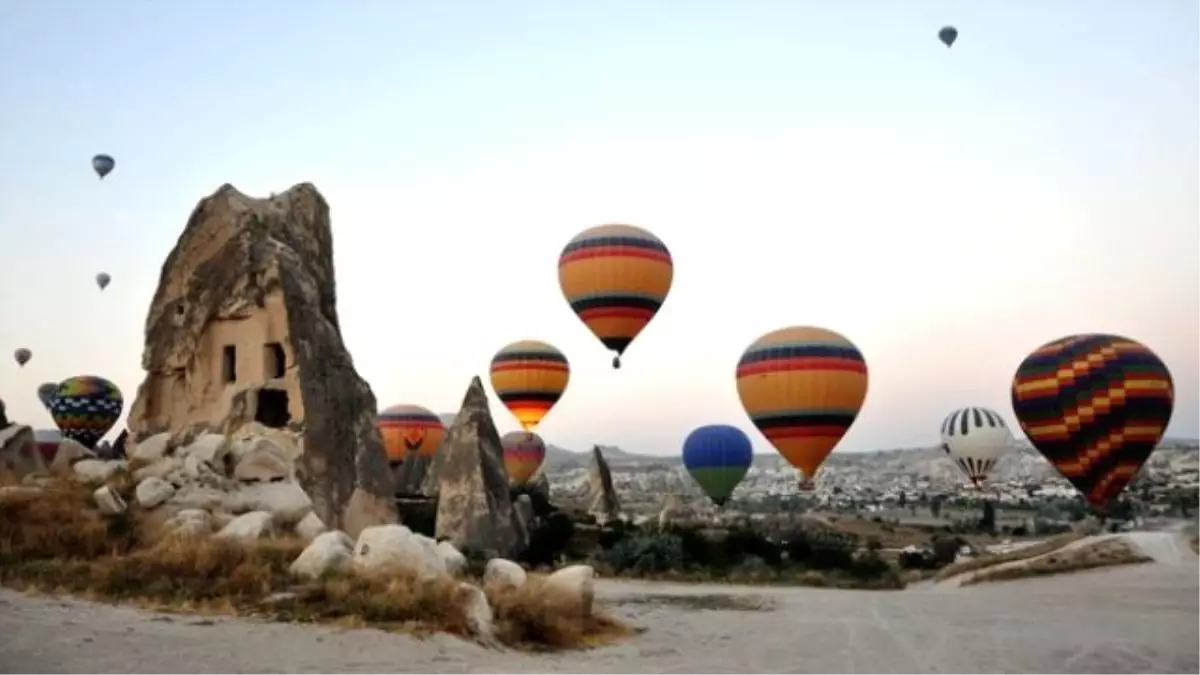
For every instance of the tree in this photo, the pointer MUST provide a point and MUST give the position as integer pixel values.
(903, 499)
(935, 506)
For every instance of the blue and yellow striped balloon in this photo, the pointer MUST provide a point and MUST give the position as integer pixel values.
(718, 457)
(802, 387)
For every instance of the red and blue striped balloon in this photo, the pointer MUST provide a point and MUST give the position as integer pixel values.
(718, 457)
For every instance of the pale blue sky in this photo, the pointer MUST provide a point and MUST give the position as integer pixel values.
(815, 162)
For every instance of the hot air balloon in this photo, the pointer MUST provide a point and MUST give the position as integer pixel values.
(975, 438)
(615, 277)
(948, 34)
(103, 165)
(85, 407)
(718, 457)
(22, 356)
(523, 455)
(529, 377)
(47, 441)
(802, 387)
(410, 429)
(102, 280)
(45, 392)
(1095, 406)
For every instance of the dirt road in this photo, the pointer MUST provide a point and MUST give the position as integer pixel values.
(1142, 618)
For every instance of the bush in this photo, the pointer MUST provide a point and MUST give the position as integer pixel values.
(823, 550)
(645, 554)
(549, 540)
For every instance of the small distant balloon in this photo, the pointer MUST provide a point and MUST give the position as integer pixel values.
(948, 34)
(22, 356)
(102, 280)
(103, 165)
(45, 392)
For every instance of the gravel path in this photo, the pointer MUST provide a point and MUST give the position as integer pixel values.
(1141, 618)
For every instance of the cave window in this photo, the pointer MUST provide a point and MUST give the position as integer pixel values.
(274, 360)
(272, 409)
(229, 364)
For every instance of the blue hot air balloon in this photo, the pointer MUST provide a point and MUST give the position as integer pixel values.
(718, 457)
(103, 165)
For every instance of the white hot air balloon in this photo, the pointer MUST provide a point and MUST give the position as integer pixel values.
(975, 438)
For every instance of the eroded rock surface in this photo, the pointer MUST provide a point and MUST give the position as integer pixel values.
(243, 329)
(602, 497)
(475, 511)
(19, 452)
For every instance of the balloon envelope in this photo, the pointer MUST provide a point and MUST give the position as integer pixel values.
(1095, 406)
(410, 429)
(718, 457)
(802, 387)
(103, 165)
(975, 438)
(615, 277)
(46, 391)
(529, 377)
(948, 34)
(47, 443)
(524, 453)
(22, 356)
(102, 280)
(85, 407)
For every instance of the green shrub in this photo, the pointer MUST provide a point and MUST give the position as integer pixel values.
(645, 554)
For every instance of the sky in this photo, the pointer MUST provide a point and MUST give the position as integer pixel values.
(806, 162)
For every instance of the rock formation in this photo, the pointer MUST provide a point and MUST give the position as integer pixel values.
(244, 328)
(3, 415)
(19, 452)
(603, 502)
(474, 511)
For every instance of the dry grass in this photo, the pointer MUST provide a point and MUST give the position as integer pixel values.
(56, 541)
(1049, 546)
(1100, 554)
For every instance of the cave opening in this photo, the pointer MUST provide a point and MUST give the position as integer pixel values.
(272, 409)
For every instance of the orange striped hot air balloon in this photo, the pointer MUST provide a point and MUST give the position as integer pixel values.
(529, 377)
(616, 278)
(802, 387)
(524, 452)
(410, 429)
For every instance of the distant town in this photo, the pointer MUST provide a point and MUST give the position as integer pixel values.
(902, 484)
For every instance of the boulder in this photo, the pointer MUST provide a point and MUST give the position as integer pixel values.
(69, 452)
(262, 466)
(455, 562)
(253, 525)
(208, 449)
(503, 574)
(474, 507)
(96, 471)
(159, 468)
(287, 503)
(243, 328)
(602, 497)
(385, 547)
(328, 552)
(19, 451)
(310, 527)
(153, 491)
(570, 591)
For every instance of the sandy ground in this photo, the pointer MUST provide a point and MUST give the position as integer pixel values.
(1142, 618)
